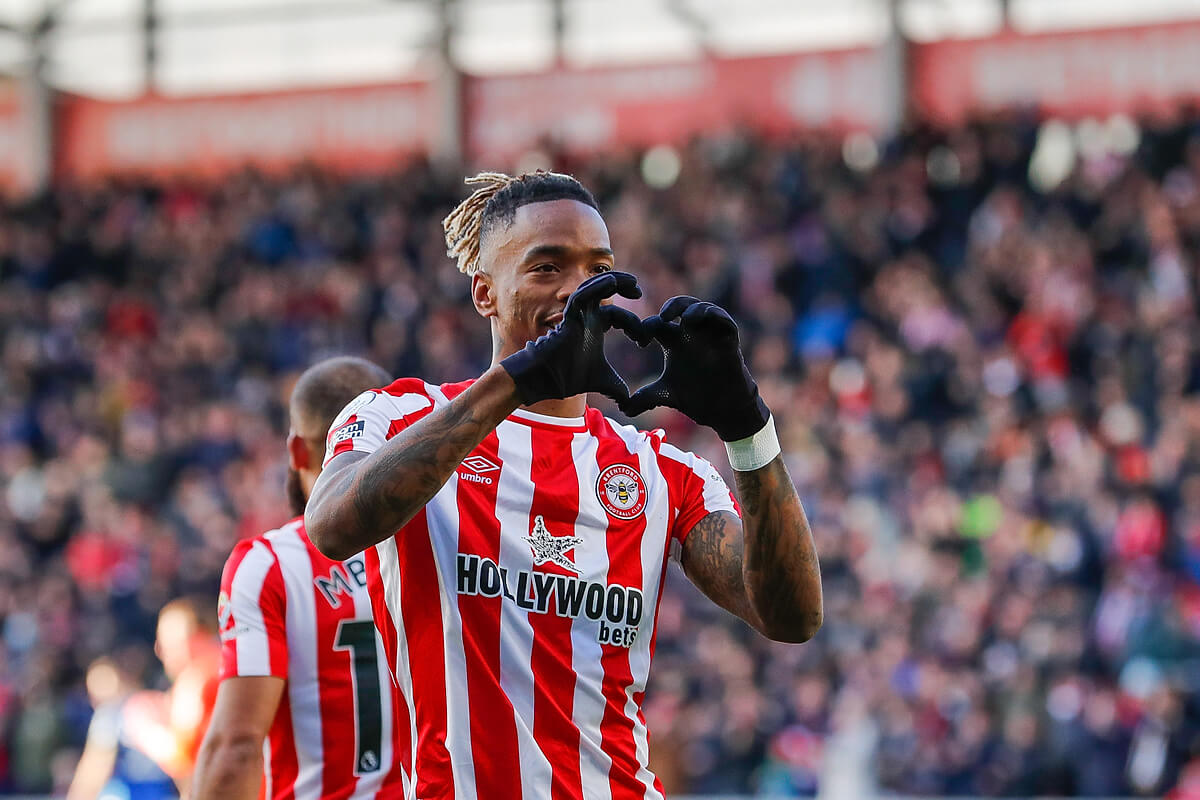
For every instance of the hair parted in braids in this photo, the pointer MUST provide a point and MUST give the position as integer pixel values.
(496, 201)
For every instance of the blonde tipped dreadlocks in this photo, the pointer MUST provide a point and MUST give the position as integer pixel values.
(463, 225)
(497, 200)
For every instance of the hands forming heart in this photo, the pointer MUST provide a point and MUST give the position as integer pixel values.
(704, 373)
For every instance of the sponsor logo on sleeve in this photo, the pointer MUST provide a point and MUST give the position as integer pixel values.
(225, 622)
(351, 431)
(716, 478)
(224, 611)
(347, 431)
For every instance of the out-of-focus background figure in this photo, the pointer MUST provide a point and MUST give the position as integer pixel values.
(109, 767)
(168, 726)
(306, 705)
(960, 238)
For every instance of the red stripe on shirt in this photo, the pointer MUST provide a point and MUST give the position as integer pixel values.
(285, 760)
(421, 608)
(272, 600)
(623, 540)
(453, 390)
(338, 729)
(285, 765)
(556, 491)
(401, 723)
(686, 492)
(229, 666)
(493, 726)
(422, 615)
(638, 697)
(393, 784)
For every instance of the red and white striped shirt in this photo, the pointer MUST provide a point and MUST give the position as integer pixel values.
(518, 607)
(288, 611)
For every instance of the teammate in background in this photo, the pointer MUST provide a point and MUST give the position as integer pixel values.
(300, 662)
(168, 726)
(521, 537)
(109, 765)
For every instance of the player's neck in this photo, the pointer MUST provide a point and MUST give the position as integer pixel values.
(568, 407)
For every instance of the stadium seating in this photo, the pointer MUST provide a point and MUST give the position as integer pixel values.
(988, 395)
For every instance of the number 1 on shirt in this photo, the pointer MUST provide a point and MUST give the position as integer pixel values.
(358, 636)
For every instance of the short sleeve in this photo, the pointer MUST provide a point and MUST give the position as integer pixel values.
(375, 416)
(700, 489)
(252, 613)
(104, 731)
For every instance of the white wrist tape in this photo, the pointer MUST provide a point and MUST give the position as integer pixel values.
(754, 451)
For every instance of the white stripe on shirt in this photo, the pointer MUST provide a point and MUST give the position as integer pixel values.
(389, 574)
(252, 643)
(304, 692)
(588, 711)
(514, 493)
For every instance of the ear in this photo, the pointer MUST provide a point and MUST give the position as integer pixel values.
(483, 294)
(298, 457)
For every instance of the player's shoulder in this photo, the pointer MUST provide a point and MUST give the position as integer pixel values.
(603, 427)
(263, 547)
(404, 396)
(290, 545)
(253, 548)
(652, 442)
(408, 387)
(251, 559)
(402, 386)
(400, 398)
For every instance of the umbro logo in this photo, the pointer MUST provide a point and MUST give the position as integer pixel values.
(479, 465)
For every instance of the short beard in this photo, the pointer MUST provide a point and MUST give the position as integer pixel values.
(295, 492)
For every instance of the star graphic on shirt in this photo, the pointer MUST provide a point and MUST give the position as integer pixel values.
(547, 547)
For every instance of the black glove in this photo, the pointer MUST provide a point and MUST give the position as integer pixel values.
(705, 375)
(569, 360)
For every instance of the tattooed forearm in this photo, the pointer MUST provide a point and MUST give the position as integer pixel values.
(368, 500)
(398, 480)
(712, 559)
(763, 569)
(780, 568)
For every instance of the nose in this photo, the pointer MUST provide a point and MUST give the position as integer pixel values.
(572, 278)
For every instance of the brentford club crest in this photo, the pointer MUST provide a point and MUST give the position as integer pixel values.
(621, 491)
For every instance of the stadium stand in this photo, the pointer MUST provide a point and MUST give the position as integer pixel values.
(988, 394)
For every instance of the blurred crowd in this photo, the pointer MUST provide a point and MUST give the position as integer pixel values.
(987, 389)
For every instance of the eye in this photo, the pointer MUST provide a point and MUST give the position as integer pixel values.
(544, 268)
(599, 268)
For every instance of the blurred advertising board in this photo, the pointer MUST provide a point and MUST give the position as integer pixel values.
(15, 155)
(594, 109)
(359, 128)
(1070, 73)
(1150, 68)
